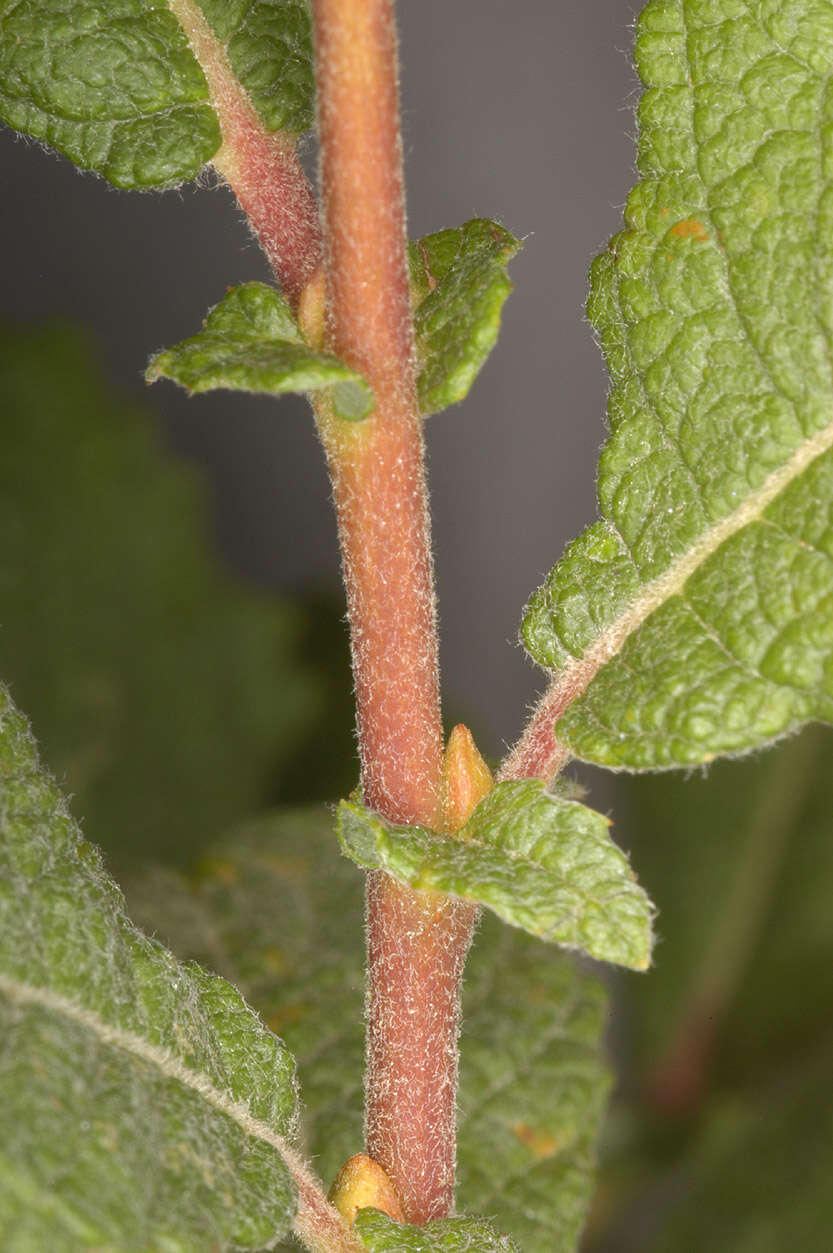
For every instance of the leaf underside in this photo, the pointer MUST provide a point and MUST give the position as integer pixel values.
(533, 1079)
(696, 617)
(143, 1102)
(540, 862)
(90, 645)
(114, 85)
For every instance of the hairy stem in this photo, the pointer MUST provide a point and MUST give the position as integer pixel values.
(317, 1224)
(416, 943)
(259, 165)
(538, 754)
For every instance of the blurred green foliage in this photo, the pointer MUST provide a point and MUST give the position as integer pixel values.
(169, 699)
(722, 1133)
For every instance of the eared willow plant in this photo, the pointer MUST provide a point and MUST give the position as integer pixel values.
(145, 1105)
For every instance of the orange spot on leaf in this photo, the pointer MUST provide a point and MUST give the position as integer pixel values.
(689, 228)
(541, 1143)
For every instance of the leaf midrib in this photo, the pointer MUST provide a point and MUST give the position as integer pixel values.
(311, 1198)
(160, 1058)
(573, 680)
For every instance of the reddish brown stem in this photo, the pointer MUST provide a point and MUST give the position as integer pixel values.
(538, 754)
(417, 946)
(416, 943)
(260, 166)
(377, 468)
(266, 177)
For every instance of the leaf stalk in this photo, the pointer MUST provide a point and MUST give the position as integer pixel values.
(260, 166)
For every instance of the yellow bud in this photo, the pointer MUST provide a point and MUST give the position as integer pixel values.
(311, 310)
(361, 1184)
(466, 779)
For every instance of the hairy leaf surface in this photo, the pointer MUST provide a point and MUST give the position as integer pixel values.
(251, 342)
(381, 1234)
(115, 86)
(275, 910)
(540, 862)
(534, 1083)
(459, 284)
(269, 48)
(278, 912)
(114, 614)
(144, 1104)
(697, 616)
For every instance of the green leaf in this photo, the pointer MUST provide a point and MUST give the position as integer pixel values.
(533, 1088)
(114, 613)
(275, 910)
(269, 47)
(144, 1104)
(459, 284)
(540, 862)
(115, 86)
(251, 342)
(696, 617)
(381, 1234)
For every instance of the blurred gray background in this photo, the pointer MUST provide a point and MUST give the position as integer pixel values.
(520, 112)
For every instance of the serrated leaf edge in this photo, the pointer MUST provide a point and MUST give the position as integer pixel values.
(311, 1199)
(573, 680)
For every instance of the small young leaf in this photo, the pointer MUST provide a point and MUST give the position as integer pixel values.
(275, 911)
(251, 342)
(115, 86)
(352, 399)
(459, 284)
(541, 863)
(144, 1104)
(381, 1234)
(697, 617)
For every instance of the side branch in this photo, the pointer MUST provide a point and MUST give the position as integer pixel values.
(259, 165)
(538, 754)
